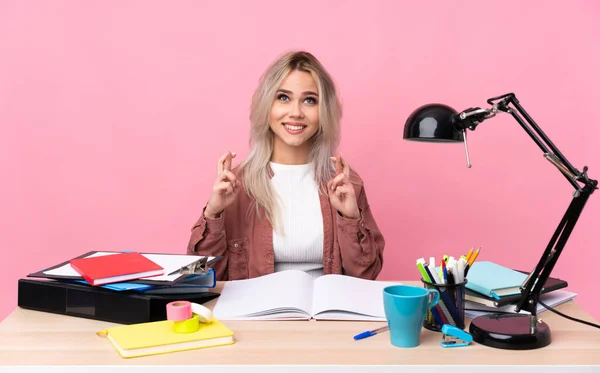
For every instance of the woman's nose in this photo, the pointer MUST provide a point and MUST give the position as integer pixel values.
(296, 110)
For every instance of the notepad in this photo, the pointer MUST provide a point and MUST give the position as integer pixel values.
(494, 280)
(158, 338)
(295, 295)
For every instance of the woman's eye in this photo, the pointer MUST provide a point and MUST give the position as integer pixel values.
(283, 97)
(310, 100)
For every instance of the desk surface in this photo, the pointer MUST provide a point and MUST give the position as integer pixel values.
(38, 338)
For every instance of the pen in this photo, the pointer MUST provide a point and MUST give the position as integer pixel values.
(370, 333)
(434, 276)
(461, 265)
(452, 270)
(445, 273)
(447, 304)
(435, 280)
(450, 278)
(420, 263)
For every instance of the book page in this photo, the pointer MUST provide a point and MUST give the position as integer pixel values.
(170, 263)
(340, 297)
(286, 294)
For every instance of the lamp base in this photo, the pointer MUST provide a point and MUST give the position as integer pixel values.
(510, 331)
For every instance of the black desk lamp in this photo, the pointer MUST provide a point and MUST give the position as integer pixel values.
(441, 123)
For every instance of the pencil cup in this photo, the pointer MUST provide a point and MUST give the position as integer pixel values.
(449, 310)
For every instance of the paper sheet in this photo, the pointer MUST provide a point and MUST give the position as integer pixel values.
(288, 292)
(346, 297)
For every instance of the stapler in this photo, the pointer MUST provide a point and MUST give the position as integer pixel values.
(455, 337)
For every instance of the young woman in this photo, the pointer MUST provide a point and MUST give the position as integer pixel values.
(291, 204)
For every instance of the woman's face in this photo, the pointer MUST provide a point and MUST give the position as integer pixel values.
(294, 114)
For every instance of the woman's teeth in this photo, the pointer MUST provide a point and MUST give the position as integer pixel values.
(293, 128)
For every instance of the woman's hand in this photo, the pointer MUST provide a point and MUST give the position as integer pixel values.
(224, 192)
(341, 191)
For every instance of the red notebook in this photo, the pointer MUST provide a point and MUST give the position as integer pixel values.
(106, 269)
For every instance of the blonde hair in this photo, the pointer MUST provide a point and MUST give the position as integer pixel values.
(255, 170)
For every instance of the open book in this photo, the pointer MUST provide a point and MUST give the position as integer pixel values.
(294, 295)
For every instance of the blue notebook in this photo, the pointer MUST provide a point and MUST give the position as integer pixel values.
(494, 280)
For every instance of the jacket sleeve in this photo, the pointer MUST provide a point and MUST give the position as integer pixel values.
(208, 238)
(361, 243)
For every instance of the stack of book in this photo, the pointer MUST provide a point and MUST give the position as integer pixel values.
(141, 272)
(122, 287)
(493, 288)
(134, 289)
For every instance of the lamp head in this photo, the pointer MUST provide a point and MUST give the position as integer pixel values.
(433, 123)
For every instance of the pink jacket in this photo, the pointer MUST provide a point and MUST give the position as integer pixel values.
(245, 241)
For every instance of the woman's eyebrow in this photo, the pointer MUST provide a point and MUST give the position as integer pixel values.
(306, 93)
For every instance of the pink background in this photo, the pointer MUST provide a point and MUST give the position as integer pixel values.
(112, 118)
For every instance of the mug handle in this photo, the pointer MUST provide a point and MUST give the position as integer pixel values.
(435, 299)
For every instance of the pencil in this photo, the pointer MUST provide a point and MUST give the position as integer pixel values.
(469, 254)
(474, 257)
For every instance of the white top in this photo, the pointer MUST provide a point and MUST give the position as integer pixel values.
(300, 245)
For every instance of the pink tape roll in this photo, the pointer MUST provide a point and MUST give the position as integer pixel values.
(179, 310)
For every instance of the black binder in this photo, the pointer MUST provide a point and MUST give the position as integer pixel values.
(80, 300)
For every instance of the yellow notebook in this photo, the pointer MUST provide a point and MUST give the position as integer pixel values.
(158, 337)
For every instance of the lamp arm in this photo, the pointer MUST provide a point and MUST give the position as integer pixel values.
(534, 283)
(551, 152)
